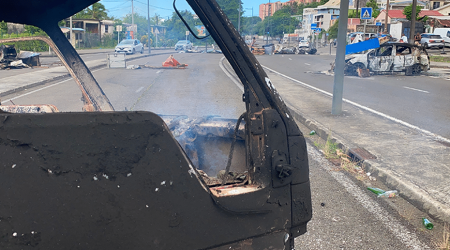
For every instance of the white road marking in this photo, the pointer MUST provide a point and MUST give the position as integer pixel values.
(400, 232)
(416, 89)
(46, 87)
(139, 89)
(307, 64)
(229, 75)
(437, 137)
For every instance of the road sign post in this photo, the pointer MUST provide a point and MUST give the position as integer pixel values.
(366, 14)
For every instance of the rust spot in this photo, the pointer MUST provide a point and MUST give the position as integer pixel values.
(360, 154)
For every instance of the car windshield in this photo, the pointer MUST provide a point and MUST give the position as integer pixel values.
(124, 42)
(181, 42)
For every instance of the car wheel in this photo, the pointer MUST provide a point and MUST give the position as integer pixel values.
(134, 51)
(426, 45)
(351, 69)
(142, 50)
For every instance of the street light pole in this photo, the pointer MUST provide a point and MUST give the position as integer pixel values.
(148, 28)
(132, 18)
(239, 18)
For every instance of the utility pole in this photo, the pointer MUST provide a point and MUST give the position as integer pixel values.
(412, 30)
(239, 18)
(71, 34)
(132, 18)
(148, 26)
(338, 87)
(386, 18)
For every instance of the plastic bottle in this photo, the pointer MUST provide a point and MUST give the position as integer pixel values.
(388, 194)
(428, 225)
(377, 191)
(312, 132)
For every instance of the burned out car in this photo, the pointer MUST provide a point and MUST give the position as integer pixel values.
(156, 192)
(389, 57)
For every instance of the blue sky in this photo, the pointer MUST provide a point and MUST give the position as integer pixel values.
(164, 8)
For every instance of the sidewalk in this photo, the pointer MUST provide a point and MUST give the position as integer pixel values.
(410, 160)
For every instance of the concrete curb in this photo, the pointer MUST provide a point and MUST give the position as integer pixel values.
(62, 77)
(408, 190)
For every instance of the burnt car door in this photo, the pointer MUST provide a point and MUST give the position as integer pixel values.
(381, 59)
(403, 57)
(151, 194)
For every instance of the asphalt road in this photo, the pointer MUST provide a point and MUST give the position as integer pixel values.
(350, 217)
(419, 100)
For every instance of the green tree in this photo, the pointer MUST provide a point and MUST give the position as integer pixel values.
(95, 11)
(176, 30)
(375, 10)
(333, 30)
(249, 24)
(140, 21)
(3, 27)
(407, 11)
(231, 9)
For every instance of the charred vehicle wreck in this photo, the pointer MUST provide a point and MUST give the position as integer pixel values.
(156, 192)
(389, 58)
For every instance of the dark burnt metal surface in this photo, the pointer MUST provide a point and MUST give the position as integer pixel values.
(121, 180)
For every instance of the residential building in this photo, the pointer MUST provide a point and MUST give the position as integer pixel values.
(268, 9)
(444, 10)
(397, 15)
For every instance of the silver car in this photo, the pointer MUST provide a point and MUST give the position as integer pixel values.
(432, 41)
(183, 45)
(129, 46)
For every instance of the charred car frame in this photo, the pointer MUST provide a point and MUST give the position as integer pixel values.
(389, 58)
(120, 180)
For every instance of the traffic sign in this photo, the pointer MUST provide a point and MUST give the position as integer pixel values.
(313, 26)
(366, 13)
(378, 24)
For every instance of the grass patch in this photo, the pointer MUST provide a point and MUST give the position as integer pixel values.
(445, 243)
(439, 59)
(332, 152)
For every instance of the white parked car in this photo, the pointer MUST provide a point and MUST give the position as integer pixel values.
(183, 45)
(303, 44)
(129, 46)
(432, 41)
(444, 33)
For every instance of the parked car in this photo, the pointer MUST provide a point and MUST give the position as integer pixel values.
(367, 36)
(432, 41)
(389, 57)
(183, 45)
(444, 33)
(303, 44)
(129, 46)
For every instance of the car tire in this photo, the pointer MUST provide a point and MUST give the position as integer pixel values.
(142, 50)
(351, 69)
(426, 45)
(133, 51)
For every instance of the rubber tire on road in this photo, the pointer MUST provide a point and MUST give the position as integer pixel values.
(351, 68)
(413, 70)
